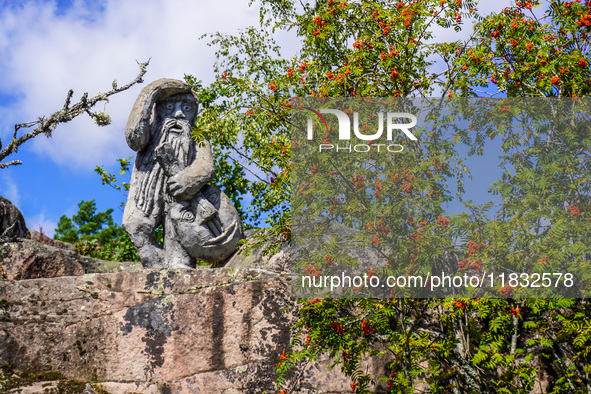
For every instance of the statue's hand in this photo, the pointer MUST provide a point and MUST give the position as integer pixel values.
(182, 186)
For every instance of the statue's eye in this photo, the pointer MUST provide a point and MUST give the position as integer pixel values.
(212, 197)
(170, 106)
(188, 216)
(187, 107)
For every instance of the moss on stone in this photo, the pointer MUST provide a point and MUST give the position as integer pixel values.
(81, 350)
(10, 379)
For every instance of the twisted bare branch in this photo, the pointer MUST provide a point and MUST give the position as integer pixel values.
(67, 113)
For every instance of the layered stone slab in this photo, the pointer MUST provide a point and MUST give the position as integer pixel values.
(150, 331)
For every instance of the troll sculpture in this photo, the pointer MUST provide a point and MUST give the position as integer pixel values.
(169, 183)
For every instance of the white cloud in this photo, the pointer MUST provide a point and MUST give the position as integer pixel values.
(9, 190)
(41, 222)
(44, 53)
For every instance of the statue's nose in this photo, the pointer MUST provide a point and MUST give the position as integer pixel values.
(179, 114)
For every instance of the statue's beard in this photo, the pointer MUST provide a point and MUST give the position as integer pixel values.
(151, 177)
(177, 132)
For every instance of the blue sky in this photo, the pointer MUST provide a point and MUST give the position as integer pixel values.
(49, 47)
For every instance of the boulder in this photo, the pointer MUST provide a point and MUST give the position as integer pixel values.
(12, 222)
(118, 328)
(216, 330)
(30, 259)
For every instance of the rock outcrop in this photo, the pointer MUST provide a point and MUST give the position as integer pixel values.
(12, 222)
(29, 259)
(192, 329)
(70, 323)
(157, 331)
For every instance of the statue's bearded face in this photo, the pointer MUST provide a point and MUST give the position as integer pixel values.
(177, 113)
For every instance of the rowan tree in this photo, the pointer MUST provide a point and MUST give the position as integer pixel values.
(384, 49)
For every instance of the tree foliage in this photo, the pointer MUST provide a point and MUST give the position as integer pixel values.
(96, 234)
(384, 49)
(110, 179)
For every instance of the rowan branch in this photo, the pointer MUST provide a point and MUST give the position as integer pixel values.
(67, 113)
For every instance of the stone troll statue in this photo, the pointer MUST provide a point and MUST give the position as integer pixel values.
(169, 183)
